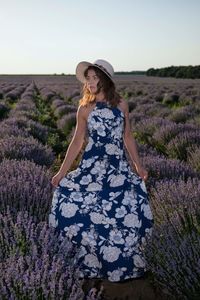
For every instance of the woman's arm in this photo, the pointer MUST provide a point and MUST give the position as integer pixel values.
(128, 137)
(76, 142)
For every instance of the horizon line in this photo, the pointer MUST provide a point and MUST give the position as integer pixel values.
(60, 74)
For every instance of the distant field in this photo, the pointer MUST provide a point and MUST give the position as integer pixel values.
(131, 83)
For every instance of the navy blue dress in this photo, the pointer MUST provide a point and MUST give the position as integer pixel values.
(103, 206)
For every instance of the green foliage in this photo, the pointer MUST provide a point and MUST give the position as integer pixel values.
(171, 100)
(127, 94)
(176, 71)
(69, 125)
(4, 110)
(57, 142)
(45, 115)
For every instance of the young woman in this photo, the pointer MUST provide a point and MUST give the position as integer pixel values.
(103, 206)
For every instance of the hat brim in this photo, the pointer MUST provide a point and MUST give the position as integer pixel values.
(80, 69)
(82, 66)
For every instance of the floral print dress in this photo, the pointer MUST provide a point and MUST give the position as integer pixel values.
(103, 206)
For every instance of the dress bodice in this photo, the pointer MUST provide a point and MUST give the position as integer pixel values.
(106, 124)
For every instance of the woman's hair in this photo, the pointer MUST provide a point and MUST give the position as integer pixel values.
(108, 87)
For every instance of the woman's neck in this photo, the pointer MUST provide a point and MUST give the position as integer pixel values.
(100, 98)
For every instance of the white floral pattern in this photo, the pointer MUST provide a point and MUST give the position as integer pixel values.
(68, 210)
(103, 206)
(110, 253)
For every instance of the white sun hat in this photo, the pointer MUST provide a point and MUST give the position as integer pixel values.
(101, 64)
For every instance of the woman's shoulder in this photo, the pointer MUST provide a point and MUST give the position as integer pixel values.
(84, 110)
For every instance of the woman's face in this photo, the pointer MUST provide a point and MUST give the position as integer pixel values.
(92, 80)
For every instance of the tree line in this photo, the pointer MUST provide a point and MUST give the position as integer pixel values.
(176, 71)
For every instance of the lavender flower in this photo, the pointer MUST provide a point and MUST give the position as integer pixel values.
(64, 109)
(25, 186)
(35, 262)
(194, 157)
(177, 147)
(172, 253)
(67, 122)
(174, 261)
(56, 103)
(26, 148)
(160, 167)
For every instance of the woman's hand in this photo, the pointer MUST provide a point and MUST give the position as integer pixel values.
(56, 179)
(142, 172)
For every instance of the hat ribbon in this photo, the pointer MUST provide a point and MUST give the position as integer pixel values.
(101, 67)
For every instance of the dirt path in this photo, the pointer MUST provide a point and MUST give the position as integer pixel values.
(136, 289)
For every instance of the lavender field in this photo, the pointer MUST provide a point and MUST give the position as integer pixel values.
(38, 118)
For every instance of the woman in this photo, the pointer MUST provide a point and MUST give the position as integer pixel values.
(102, 206)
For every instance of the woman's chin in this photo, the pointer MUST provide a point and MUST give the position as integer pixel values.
(93, 91)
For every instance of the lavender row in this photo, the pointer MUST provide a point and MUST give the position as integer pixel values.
(172, 252)
(178, 141)
(36, 262)
(25, 186)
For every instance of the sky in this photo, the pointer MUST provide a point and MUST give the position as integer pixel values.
(53, 36)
